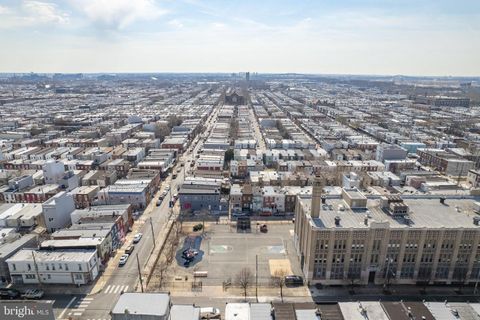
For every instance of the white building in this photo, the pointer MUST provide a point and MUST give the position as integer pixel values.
(57, 210)
(78, 267)
(473, 178)
(53, 171)
(351, 180)
(142, 306)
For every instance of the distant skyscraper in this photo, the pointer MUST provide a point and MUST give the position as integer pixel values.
(247, 76)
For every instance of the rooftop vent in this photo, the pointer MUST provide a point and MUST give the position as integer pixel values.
(476, 221)
(337, 221)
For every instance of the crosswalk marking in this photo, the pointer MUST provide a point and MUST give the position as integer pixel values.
(115, 289)
(78, 307)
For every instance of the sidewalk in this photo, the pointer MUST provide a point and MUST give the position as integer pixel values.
(153, 258)
(297, 294)
(56, 289)
(329, 294)
(394, 292)
(137, 226)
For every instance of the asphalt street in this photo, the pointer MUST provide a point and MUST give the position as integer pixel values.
(126, 278)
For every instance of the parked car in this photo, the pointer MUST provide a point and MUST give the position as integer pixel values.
(167, 188)
(123, 259)
(33, 294)
(293, 280)
(137, 237)
(9, 294)
(209, 313)
(130, 249)
(159, 202)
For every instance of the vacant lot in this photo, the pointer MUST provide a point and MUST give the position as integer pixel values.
(226, 252)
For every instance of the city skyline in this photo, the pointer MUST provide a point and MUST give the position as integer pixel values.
(354, 37)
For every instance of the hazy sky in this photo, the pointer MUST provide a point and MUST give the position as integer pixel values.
(414, 37)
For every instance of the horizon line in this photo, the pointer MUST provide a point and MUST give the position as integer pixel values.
(237, 72)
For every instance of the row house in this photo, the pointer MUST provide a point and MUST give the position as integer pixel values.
(267, 200)
(120, 166)
(99, 178)
(134, 155)
(90, 236)
(84, 196)
(445, 162)
(136, 194)
(77, 267)
(36, 194)
(120, 214)
(241, 168)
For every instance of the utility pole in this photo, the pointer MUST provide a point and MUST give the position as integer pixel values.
(476, 282)
(256, 276)
(153, 233)
(36, 269)
(139, 273)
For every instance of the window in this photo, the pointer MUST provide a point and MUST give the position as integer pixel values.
(79, 267)
(78, 276)
(66, 266)
(30, 276)
(49, 276)
(29, 266)
(14, 266)
(53, 266)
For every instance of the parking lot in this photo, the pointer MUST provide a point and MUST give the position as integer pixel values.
(226, 252)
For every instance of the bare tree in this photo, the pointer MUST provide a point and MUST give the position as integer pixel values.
(162, 268)
(173, 121)
(168, 255)
(161, 130)
(244, 279)
(278, 280)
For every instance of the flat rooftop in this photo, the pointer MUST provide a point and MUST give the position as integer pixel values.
(423, 213)
(363, 310)
(50, 256)
(153, 304)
